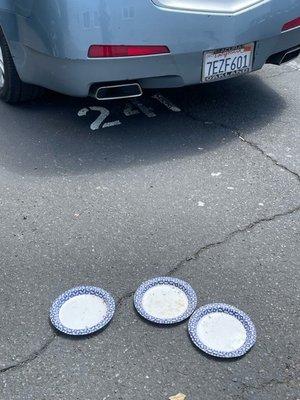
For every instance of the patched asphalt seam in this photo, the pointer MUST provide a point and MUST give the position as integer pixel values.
(31, 357)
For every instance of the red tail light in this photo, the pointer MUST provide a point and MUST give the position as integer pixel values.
(295, 23)
(102, 51)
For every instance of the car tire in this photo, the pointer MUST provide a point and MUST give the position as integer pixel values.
(12, 89)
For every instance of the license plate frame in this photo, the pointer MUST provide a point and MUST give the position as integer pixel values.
(214, 69)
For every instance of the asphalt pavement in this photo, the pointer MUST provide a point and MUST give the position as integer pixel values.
(200, 183)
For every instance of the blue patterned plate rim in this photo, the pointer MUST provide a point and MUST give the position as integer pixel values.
(77, 291)
(184, 286)
(231, 310)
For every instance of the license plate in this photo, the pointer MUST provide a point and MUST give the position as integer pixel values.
(227, 63)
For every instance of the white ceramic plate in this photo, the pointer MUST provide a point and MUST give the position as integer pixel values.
(222, 330)
(165, 300)
(82, 310)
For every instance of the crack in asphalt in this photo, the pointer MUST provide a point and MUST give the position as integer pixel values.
(291, 70)
(31, 357)
(124, 297)
(227, 238)
(274, 161)
(254, 145)
(272, 381)
(208, 246)
(246, 387)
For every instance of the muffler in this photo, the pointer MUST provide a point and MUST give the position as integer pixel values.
(116, 92)
(284, 56)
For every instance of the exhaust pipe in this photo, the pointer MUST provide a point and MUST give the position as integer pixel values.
(116, 92)
(290, 55)
(284, 56)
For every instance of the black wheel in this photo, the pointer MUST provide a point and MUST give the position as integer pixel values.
(12, 89)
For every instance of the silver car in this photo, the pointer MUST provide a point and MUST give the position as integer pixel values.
(113, 49)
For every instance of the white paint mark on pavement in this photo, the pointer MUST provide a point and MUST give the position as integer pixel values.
(83, 112)
(109, 124)
(144, 109)
(104, 113)
(129, 110)
(166, 102)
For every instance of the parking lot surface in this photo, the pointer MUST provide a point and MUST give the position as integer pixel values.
(200, 183)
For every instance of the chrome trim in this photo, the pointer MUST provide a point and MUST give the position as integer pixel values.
(2, 70)
(290, 30)
(209, 6)
(137, 85)
(294, 50)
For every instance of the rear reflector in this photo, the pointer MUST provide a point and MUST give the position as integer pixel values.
(102, 51)
(295, 23)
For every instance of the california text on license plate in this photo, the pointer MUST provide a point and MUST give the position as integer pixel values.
(227, 63)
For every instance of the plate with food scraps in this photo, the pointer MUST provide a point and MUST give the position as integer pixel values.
(82, 310)
(222, 330)
(165, 300)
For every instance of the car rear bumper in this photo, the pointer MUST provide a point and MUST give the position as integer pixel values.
(75, 77)
(63, 65)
